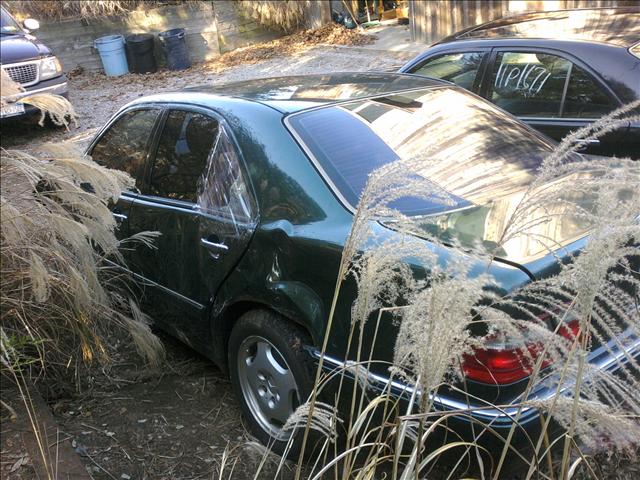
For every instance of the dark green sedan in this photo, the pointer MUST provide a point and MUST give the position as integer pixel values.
(254, 186)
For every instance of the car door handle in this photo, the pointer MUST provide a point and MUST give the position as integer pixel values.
(213, 245)
(120, 217)
(592, 141)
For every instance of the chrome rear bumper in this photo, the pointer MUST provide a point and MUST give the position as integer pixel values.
(609, 357)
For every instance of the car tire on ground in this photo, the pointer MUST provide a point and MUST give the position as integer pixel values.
(271, 374)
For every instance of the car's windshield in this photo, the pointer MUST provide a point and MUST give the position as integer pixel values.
(465, 146)
(7, 23)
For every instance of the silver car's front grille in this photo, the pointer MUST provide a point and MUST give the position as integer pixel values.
(23, 73)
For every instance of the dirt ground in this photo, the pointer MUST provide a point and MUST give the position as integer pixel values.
(182, 421)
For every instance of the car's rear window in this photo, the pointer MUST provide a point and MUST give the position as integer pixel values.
(474, 151)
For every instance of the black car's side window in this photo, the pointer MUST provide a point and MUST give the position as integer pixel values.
(223, 189)
(124, 145)
(529, 84)
(181, 158)
(459, 68)
(585, 98)
(536, 84)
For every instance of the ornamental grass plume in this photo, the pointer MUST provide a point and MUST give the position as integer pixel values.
(58, 284)
(55, 107)
(587, 307)
(60, 295)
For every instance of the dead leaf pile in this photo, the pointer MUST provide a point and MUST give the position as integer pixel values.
(299, 42)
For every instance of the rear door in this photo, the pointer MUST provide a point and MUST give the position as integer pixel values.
(200, 202)
(550, 92)
(124, 145)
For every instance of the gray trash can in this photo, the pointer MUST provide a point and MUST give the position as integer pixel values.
(175, 48)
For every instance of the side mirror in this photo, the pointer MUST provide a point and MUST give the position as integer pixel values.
(31, 24)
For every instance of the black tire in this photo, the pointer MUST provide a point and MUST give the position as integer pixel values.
(288, 340)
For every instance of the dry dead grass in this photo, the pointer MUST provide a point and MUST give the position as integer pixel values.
(286, 15)
(65, 10)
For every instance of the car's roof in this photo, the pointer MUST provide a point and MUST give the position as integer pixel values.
(618, 26)
(293, 93)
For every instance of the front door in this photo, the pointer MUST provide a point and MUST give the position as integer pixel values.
(124, 146)
(199, 202)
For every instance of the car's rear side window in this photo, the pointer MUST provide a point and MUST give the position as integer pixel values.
(585, 98)
(124, 145)
(181, 158)
(459, 68)
(464, 145)
(529, 84)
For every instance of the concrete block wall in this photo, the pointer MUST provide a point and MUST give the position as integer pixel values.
(212, 28)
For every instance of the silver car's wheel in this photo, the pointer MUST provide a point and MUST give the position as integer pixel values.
(268, 385)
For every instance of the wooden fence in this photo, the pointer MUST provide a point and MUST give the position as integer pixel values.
(433, 20)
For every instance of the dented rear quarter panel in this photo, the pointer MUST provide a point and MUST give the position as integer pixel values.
(293, 258)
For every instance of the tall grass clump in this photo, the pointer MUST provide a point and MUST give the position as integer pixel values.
(285, 15)
(59, 293)
(446, 313)
(57, 10)
(57, 108)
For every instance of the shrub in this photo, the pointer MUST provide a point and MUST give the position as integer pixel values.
(60, 290)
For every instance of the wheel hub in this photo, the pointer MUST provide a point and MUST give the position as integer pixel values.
(268, 385)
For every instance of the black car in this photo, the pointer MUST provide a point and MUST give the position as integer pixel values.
(29, 63)
(253, 187)
(556, 71)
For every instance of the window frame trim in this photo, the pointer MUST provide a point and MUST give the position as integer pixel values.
(488, 73)
(477, 82)
(193, 206)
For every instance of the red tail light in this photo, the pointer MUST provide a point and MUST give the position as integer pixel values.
(502, 365)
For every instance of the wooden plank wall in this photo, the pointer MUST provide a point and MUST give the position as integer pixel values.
(237, 30)
(433, 20)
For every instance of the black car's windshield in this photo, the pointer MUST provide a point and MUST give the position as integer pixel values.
(8, 24)
(470, 149)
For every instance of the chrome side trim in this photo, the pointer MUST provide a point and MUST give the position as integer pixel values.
(607, 358)
(150, 283)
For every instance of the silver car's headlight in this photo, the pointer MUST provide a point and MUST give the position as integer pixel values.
(50, 67)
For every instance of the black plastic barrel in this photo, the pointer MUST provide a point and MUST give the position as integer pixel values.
(175, 49)
(140, 53)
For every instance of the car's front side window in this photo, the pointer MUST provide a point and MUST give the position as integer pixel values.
(459, 68)
(529, 84)
(8, 24)
(536, 84)
(124, 145)
(181, 158)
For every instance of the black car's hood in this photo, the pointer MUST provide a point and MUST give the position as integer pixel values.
(21, 48)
